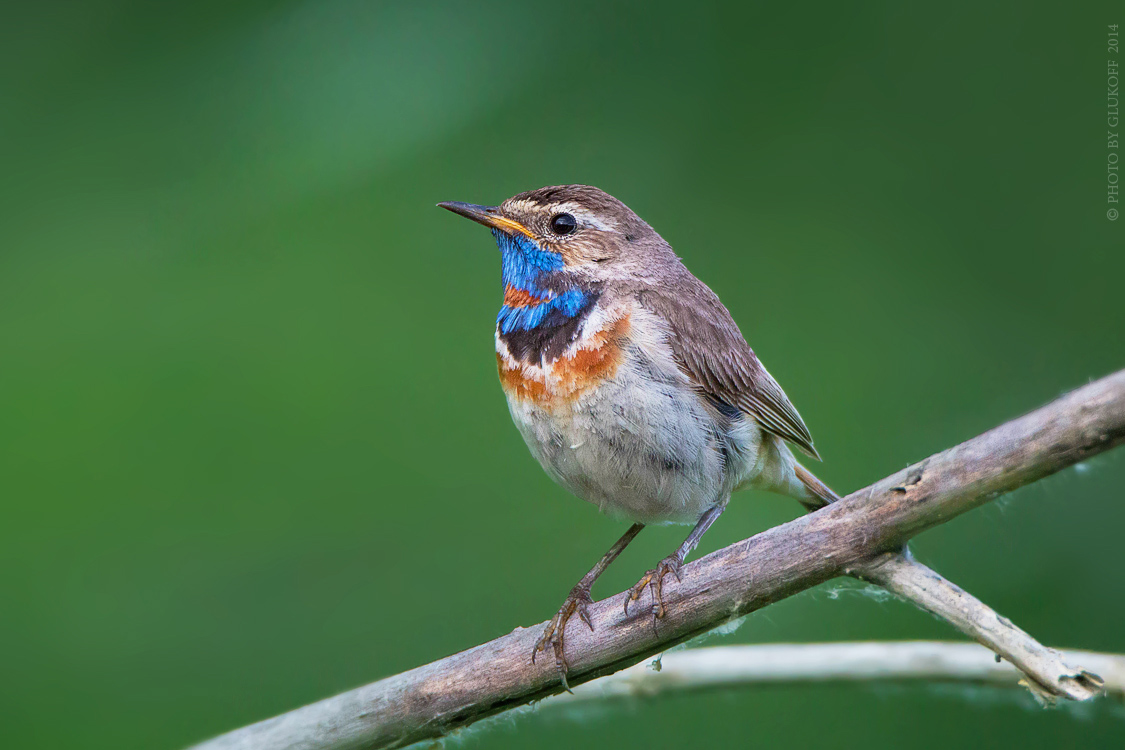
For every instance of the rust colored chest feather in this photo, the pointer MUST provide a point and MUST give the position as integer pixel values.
(579, 368)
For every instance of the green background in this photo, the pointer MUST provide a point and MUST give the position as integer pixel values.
(252, 447)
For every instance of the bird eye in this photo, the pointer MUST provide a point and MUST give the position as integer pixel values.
(563, 224)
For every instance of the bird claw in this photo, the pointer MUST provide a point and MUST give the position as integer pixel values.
(577, 601)
(654, 579)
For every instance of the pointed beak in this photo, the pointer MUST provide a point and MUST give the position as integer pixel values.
(490, 216)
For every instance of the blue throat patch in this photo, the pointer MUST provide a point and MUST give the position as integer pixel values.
(524, 266)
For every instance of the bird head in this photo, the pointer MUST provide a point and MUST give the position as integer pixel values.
(576, 230)
(561, 247)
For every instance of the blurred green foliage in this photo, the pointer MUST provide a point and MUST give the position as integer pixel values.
(252, 447)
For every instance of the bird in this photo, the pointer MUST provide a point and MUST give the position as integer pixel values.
(630, 382)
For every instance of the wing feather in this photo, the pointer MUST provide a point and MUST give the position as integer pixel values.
(709, 348)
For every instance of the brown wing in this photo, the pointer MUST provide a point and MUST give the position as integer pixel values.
(710, 349)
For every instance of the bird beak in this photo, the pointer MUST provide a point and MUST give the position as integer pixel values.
(488, 215)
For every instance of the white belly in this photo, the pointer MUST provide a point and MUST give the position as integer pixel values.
(642, 443)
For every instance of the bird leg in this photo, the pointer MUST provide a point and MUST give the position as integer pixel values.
(579, 601)
(654, 578)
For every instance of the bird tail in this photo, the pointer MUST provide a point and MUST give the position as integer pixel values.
(820, 493)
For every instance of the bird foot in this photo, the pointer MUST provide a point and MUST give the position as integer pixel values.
(654, 579)
(577, 601)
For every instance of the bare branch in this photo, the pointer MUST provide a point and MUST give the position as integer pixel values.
(1049, 676)
(848, 536)
(725, 667)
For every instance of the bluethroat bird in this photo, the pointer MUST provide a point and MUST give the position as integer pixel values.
(629, 380)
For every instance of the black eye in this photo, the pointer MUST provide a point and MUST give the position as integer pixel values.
(563, 224)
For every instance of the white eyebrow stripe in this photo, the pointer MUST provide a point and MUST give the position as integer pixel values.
(584, 217)
(587, 218)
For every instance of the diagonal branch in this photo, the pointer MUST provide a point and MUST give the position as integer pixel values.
(1047, 673)
(851, 536)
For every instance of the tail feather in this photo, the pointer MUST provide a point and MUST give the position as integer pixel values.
(820, 493)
